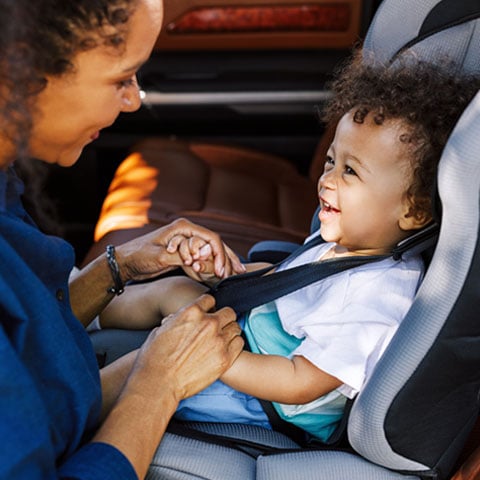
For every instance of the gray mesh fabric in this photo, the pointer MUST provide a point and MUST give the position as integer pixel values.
(182, 458)
(328, 465)
(387, 19)
(397, 24)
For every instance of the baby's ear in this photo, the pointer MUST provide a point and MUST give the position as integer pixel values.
(415, 217)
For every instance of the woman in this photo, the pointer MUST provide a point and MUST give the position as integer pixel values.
(67, 70)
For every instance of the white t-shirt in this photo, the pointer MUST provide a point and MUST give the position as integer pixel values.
(346, 320)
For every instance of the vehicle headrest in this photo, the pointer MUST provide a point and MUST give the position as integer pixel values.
(434, 30)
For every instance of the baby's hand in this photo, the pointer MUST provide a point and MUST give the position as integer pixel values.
(189, 248)
(203, 269)
(198, 259)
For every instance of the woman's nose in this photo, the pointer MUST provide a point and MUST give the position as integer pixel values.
(131, 100)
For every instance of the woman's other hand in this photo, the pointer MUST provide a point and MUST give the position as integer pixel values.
(192, 348)
(141, 390)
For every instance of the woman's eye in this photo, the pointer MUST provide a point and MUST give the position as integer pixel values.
(129, 82)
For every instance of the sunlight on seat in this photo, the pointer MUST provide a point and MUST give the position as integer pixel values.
(128, 200)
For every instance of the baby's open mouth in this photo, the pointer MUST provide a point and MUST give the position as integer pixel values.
(328, 208)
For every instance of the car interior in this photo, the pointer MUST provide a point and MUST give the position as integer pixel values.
(229, 137)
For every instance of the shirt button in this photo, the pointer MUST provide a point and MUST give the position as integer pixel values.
(60, 295)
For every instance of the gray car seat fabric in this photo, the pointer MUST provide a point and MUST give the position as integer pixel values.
(183, 458)
(178, 455)
(430, 29)
(326, 465)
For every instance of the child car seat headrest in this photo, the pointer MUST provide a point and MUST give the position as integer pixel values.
(430, 29)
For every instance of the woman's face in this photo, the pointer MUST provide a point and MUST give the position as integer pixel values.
(75, 107)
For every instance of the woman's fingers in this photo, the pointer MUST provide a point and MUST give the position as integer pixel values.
(195, 344)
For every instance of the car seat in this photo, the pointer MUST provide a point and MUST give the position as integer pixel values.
(415, 413)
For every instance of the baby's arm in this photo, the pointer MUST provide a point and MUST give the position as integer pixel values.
(274, 378)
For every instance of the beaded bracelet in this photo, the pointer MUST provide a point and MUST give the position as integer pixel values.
(118, 286)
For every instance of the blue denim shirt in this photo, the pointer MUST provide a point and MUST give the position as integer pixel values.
(50, 394)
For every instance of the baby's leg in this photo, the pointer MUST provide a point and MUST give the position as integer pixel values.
(144, 305)
(177, 292)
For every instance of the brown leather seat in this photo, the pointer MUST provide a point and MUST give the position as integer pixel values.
(244, 195)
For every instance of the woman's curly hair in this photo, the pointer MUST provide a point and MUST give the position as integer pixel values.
(428, 98)
(67, 27)
(38, 39)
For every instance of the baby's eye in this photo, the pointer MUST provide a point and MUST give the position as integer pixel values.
(350, 170)
(329, 160)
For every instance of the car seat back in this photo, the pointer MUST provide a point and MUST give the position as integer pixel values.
(435, 30)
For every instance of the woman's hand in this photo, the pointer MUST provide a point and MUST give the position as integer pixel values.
(140, 259)
(147, 256)
(192, 348)
(141, 391)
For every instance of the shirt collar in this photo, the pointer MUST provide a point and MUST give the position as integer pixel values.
(11, 188)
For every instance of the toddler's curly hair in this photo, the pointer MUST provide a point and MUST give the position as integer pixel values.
(428, 98)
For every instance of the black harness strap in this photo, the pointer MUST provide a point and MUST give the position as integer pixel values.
(249, 290)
